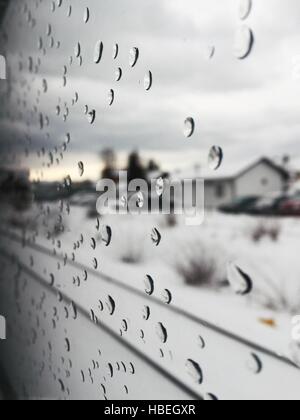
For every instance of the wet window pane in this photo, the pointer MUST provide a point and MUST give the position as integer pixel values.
(150, 199)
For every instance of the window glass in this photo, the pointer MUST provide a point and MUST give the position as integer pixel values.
(149, 186)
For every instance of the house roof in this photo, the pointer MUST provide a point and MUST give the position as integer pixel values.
(229, 171)
(282, 171)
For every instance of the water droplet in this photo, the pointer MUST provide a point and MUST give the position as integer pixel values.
(62, 386)
(155, 237)
(215, 158)
(244, 41)
(74, 309)
(211, 397)
(67, 345)
(106, 235)
(245, 7)
(111, 97)
(254, 364)
(111, 305)
(52, 279)
(133, 56)
(110, 370)
(93, 243)
(161, 332)
(77, 50)
(91, 116)
(115, 51)
(45, 85)
(118, 74)
(149, 285)
(95, 263)
(159, 187)
(209, 52)
(98, 224)
(167, 296)
(148, 81)
(81, 168)
(146, 313)
(86, 15)
(125, 325)
(123, 201)
(201, 342)
(98, 52)
(131, 368)
(195, 371)
(140, 200)
(239, 280)
(189, 127)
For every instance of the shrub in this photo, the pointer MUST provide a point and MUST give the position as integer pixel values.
(266, 230)
(201, 264)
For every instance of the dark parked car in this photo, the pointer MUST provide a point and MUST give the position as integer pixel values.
(268, 205)
(290, 207)
(241, 205)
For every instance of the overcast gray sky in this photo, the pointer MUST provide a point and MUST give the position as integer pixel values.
(248, 107)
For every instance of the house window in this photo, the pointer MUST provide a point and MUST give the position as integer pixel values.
(220, 190)
(264, 182)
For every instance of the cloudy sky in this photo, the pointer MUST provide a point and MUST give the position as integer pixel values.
(248, 107)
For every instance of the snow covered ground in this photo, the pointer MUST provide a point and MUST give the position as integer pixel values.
(189, 268)
(264, 316)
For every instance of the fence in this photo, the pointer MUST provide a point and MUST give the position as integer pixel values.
(87, 342)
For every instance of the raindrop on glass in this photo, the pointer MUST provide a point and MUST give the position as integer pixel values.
(111, 305)
(159, 187)
(209, 52)
(189, 127)
(244, 40)
(111, 97)
(77, 50)
(215, 158)
(125, 325)
(115, 51)
(146, 313)
(149, 285)
(211, 397)
(98, 52)
(245, 7)
(86, 15)
(195, 371)
(201, 342)
(167, 296)
(133, 56)
(81, 168)
(123, 201)
(148, 80)
(118, 74)
(106, 235)
(93, 243)
(254, 364)
(140, 200)
(239, 280)
(161, 332)
(156, 237)
(91, 116)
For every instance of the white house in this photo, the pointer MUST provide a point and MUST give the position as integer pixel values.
(259, 179)
(228, 183)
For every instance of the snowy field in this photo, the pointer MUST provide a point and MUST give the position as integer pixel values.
(192, 263)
